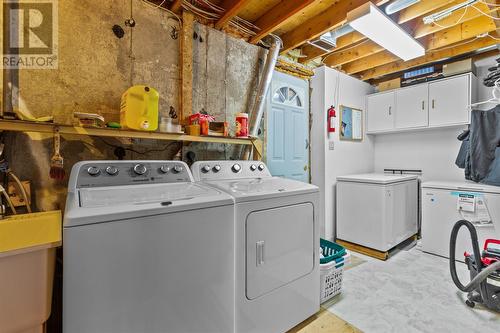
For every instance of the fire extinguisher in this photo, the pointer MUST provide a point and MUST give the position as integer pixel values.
(331, 119)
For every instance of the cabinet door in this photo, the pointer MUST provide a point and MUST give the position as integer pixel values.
(380, 112)
(412, 105)
(449, 100)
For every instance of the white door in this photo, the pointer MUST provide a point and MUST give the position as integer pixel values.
(380, 115)
(413, 106)
(288, 127)
(449, 100)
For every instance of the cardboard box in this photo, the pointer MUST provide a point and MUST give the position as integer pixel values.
(459, 67)
(389, 85)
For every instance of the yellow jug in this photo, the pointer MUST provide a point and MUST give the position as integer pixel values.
(139, 108)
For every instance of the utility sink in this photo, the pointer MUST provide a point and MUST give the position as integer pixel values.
(27, 260)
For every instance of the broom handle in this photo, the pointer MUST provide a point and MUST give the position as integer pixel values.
(57, 142)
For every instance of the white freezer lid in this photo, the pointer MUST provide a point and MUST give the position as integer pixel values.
(377, 178)
(262, 188)
(462, 186)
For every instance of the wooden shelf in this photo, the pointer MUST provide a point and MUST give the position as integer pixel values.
(28, 126)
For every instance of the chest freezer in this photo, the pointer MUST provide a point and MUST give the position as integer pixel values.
(444, 203)
(378, 211)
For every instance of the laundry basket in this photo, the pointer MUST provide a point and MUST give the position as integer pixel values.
(332, 263)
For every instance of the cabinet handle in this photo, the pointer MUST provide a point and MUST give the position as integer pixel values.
(433, 103)
(390, 110)
(423, 105)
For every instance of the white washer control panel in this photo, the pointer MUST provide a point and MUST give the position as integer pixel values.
(117, 173)
(211, 170)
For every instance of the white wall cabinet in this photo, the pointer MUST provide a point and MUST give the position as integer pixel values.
(436, 104)
(415, 112)
(382, 107)
(449, 100)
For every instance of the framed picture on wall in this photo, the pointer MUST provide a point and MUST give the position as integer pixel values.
(351, 124)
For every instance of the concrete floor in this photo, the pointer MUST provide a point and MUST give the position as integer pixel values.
(411, 292)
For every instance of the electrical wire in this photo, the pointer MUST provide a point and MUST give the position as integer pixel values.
(493, 37)
(459, 44)
(453, 24)
(343, 50)
(489, 3)
(160, 6)
(486, 14)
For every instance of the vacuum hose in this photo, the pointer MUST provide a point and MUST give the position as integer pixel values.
(483, 273)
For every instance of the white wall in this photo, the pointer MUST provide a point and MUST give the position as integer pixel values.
(347, 157)
(433, 151)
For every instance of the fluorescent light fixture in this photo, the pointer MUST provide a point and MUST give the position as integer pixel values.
(447, 12)
(374, 24)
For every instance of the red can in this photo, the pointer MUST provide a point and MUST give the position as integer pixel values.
(242, 125)
(203, 126)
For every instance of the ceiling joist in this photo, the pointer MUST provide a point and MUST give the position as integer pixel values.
(422, 8)
(232, 8)
(277, 16)
(433, 56)
(365, 49)
(176, 6)
(328, 20)
(421, 29)
(453, 35)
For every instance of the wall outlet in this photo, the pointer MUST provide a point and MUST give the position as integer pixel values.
(331, 145)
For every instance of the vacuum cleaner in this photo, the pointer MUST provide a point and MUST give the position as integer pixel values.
(484, 268)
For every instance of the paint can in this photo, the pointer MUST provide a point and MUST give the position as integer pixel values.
(242, 125)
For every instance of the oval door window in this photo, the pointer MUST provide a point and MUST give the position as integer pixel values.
(287, 95)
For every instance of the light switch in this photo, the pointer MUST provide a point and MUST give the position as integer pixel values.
(331, 145)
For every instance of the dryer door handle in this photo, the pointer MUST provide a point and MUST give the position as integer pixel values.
(259, 247)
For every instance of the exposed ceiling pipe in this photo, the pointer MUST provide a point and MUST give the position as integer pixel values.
(265, 82)
(399, 5)
(258, 108)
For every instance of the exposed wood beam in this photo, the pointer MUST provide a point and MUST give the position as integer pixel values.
(233, 7)
(176, 6)
(437, 55)
(372, 61)
(347, 40)
(422, 8)
(416, 11)
(277, 16)
(333, 17)
(365, 49)
(186, 63)
(458, 33)
(379, 59)
(421, 29)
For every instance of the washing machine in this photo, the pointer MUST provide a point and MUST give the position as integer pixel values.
(277, 244)
(146, 250)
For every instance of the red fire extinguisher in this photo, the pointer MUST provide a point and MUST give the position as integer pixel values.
(331, 119)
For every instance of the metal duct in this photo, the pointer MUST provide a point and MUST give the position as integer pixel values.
(260, 100)
(399, 5)
(267, 75)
